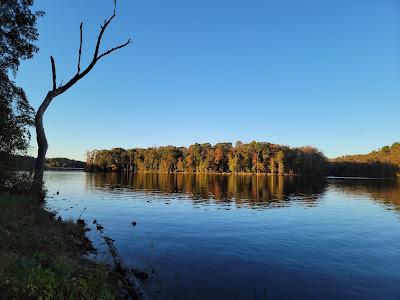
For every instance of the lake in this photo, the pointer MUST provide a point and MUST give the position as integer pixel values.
(242, 236)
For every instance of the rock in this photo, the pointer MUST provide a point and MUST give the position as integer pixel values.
(134, 223)
(140, 274)
(94, 221)
(80, 222)
(99, 227)
(108, 239)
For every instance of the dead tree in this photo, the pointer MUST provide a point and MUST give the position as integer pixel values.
(56, 91)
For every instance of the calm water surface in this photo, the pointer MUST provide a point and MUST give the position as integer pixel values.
(244, 237)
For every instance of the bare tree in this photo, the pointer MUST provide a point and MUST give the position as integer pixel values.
(56, 91)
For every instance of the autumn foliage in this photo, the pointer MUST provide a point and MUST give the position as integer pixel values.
(254, 157)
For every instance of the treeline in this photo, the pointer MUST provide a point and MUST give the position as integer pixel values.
(384, 162)
(254, 157)
(27, 163)
(385, 155)
(65, 163)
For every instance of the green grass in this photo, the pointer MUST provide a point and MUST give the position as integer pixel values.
(42, 257)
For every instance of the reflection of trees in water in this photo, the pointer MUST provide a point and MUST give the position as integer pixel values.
(254, 190)
(386, 191)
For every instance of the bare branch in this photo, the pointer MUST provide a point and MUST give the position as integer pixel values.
(113, 49)
(96, 55)
(80, 50)
(102, 29)
(53, 70)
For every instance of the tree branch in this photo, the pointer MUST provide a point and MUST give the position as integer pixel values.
(96, 55)
(102, 29)
(80, 50)
(113, 49)
(53, 70)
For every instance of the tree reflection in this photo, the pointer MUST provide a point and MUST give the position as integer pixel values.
(385, 191)
(241, 190)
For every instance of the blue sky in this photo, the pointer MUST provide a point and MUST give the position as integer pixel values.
(322, 73)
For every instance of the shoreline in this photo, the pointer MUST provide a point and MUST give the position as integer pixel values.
(43, 256)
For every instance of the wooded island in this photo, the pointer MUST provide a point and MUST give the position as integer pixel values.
(254, 158)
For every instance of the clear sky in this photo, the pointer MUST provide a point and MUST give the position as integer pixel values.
(312, 72)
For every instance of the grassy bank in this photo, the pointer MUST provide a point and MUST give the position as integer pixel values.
(43, 257)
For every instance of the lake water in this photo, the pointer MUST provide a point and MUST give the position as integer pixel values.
(243, 237)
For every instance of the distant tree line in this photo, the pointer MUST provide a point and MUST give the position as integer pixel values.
(27, 163)
(254, 157)
(65, 163)
(386, 155)
(384, 162)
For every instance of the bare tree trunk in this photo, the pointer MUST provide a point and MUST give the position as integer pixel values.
(42, 144)
(42, 149)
